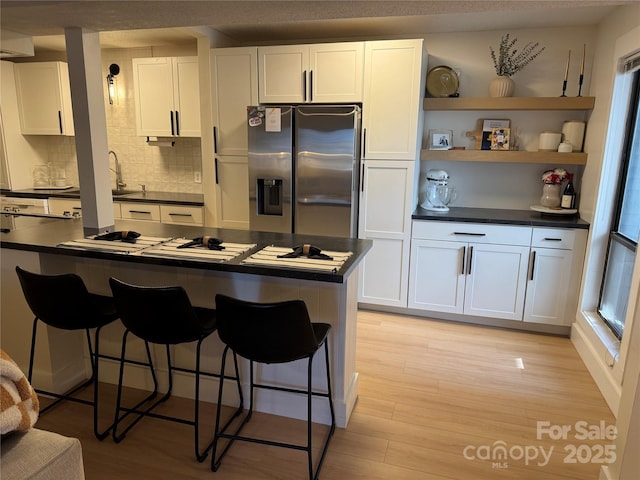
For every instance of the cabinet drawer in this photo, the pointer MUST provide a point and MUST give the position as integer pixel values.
(181, 215)
(140, 211)
(472, 232)
(553, 238)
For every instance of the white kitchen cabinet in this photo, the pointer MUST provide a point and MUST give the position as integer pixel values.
(140, 211)
(65, 206)
(44, 98)
(234, 84)
(386, 198)
(232, 191)
(470, 269)
(234, 81)
(182, 215)
(18, 156)
(554, 275)
(319, 73)
(166, 91)
(394, 72)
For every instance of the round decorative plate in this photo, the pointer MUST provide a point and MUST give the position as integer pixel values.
(554, 211)
(442, 81)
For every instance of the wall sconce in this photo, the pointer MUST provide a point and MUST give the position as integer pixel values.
(114, 70)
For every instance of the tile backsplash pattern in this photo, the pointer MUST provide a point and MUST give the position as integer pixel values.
(166, 169)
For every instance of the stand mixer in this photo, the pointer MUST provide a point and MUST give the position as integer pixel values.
(439, 194)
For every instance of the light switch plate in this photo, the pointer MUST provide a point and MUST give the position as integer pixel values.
(197, 177)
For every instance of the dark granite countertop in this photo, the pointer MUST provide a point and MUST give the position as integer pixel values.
(175, 198)
(46, 237)
(500, 216)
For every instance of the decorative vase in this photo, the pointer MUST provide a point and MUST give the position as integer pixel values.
(550, 195)
(501, 86)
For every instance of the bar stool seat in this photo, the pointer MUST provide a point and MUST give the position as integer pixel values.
(63, 301)
(271, 333)
(163, 316)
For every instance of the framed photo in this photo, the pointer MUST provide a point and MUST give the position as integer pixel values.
(440, 139)
(500, 138)
(487, 129)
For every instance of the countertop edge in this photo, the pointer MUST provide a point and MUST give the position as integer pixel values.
(501, 217)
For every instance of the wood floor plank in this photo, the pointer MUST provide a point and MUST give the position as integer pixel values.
(428, 390)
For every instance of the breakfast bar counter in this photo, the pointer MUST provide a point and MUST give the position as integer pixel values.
(247, 268)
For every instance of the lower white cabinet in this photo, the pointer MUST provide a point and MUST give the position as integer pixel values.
(140, 211)
(181, 215)
(529, 274)
(65, 206)
(386, 198)
(554, 275)
(232, 194)
(470, 269)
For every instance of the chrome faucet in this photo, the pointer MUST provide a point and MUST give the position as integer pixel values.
(118, 171)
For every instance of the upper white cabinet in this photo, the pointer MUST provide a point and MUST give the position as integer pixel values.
(392, 107)
(167, 96)
(18, 156)
(320, 73)
(234, 83)
(44, 98)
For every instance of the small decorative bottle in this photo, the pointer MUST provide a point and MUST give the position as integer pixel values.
(569, 194)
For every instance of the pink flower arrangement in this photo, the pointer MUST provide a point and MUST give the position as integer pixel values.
(555, 176)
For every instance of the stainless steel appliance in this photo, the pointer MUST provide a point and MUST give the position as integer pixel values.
(304, 164)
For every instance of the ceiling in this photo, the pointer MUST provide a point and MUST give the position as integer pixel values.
(128, 24)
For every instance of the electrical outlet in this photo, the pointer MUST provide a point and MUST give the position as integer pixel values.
(197, 177)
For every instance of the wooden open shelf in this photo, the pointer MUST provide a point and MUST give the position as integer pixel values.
(505, 157)
(510, 103)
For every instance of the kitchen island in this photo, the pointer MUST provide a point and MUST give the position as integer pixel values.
(57, 247)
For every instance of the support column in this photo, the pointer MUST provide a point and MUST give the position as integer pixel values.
(87, 98)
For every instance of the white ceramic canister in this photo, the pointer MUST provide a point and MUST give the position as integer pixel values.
(549, 141)
(573, 131)
(565, 147)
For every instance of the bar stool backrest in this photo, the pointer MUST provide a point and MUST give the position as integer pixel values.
(266, 332)
(162, 315)
(61, 301)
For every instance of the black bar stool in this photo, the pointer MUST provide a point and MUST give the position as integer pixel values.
(278, 332)
(45, 296)
(164, 316)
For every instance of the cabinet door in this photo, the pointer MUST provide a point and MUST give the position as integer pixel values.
(283, 72)
(385, 216)
(496, 281)
(153, 90)
(336, 71)
(548, 286)
(44, 98)
(232, 194)
(234, 83)
(65, 206)
(393, 75)
(186, 96)
(437, 275)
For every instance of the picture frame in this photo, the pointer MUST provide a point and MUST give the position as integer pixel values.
(500, 138)
(440, 139)
(487, 127)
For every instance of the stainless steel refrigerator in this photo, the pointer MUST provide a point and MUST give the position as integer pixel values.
(304, 166)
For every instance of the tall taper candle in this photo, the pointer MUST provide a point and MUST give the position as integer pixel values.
(566, 72)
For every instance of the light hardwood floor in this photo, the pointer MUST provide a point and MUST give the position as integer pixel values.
(432, 396)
